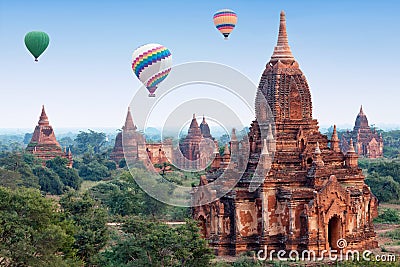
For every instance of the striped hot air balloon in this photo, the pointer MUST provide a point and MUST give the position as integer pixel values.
(151, 63)
(225, 20)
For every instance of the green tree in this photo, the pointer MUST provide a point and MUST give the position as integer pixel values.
(32, 233)
(16, 163)
(388, 216)
(384, 188)
(94, 167)
(94, 171)
(386, 168)
(90, 221)
(10, 179)
(66, 142)
(49, 181)
(157, 244)
(69, 177)
(85, 140)
(121, 196)
(27, 138)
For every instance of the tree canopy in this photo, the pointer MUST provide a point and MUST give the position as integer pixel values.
(32, 233)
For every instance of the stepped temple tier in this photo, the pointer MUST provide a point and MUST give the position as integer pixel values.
(311, 196)
(44, 144)
(367, 142)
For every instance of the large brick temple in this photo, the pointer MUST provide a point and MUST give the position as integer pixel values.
(367, 142)
(44, 145)
(312, 194)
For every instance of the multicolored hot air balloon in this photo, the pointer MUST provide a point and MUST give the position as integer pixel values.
(225, 20)
(36, 42)
(151, 63)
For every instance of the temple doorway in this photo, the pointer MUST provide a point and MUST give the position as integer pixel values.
(334, 231)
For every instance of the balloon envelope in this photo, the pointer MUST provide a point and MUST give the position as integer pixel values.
(151, 63)
(225, 21)
(36, 42)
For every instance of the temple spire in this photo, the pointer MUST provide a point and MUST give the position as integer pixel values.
(233, 135)
(226, 150)
(282, 49)
(129, 125)
(194, 123)
(351, 147)
(264, 150)
(270, 135)
(361, 111)
(317, 156)
(334, 134)
(335, 140)
(43, 120)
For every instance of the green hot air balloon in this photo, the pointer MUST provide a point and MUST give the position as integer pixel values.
(36, 42)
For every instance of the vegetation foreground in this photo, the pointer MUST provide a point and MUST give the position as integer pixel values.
(95, 214)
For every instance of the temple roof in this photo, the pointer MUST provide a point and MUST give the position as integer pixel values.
(194, 129)
(361, 120)
(205, 129)
(194, 123)
(284, 85)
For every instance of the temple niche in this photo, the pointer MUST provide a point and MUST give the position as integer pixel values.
(44, 145)
(311, 196)
(367, 142)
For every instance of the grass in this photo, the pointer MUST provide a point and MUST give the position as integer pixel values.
(86, 185)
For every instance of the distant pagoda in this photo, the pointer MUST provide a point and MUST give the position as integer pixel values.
(193, 153)
(129, 127)
(367, 142)
(44, 145)
(131, 143)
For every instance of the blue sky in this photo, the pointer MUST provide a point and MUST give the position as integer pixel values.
(348, 50)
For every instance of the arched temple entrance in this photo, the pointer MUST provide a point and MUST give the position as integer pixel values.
(334, 231)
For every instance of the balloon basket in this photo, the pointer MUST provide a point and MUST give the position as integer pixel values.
(36, 60)
(226, 38)
(152, 95)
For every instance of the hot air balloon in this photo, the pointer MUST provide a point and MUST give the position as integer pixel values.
(36, 42)
(151, 63)
(225, 20)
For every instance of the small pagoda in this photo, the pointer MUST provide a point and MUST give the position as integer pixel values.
(44, 145)
(367, 142)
